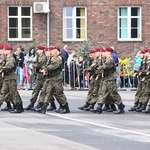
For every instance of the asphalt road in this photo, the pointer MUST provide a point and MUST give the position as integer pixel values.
(78, 130)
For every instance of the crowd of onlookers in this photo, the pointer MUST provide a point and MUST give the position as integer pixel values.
(73, 69)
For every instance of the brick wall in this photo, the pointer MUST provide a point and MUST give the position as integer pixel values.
(101, 24)
(38, 22)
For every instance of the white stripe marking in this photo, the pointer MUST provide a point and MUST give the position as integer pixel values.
(100, 125)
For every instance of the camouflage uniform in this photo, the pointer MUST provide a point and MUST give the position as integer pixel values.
(141, 87)
(109, 87)
(40, 79)
(9, 87)
(144, 97)
(2, 63)
(53, 86)
(97, 85)
(91, 69)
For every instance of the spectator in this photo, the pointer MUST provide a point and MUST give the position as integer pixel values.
(136, 67)
(116, 60)
(73, 73)
(19, 57)
(31, 58)
(81, 66)
(65, 55)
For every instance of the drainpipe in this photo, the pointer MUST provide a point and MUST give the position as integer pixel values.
(48, 26)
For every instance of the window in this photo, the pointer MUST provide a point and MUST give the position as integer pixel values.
(129, 24)
(19, 23)
(74, 23)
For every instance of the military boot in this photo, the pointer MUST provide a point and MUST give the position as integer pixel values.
(43, 109)
(120, 109)
(58, 110)
(99, 108)
(134, 107)
(38, 106)
(113, 108)
(30, 106)
(141, 109)
(147, 111)
(84, 106)
(19, 109)
(52, 107)
(106, 107)
(65, 109)
(139, 106)
(8, 106)
(89, 107)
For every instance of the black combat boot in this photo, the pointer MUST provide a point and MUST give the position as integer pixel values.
(8, 106)
(141, 109)
(147, 111)
(52, 107)
(65, 109)
(89, 107)
(43, 109)
(99, 108)
(38, 106)
(106, 107)
(30, 106)
(139, 106)
(19, 109)
(58, 110)
(84, 106)
(134, 107)
(113, 108)
(120, 109)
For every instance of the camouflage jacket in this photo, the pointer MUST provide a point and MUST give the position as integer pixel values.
(147, 75)
(100, 62)
(54, 67)
(39, 65)
(108, 69)
(92, 68)
(9, 68)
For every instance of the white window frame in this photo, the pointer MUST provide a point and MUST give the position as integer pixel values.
(74, 25)
(20, 24)
(129, 24)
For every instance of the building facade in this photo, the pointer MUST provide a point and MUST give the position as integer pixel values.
(123, 24)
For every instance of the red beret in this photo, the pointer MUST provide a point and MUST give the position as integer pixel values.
(146, 50)
(92, 51)
(142, 52)
(97, 49)
(109, 49)
(103, 50)
(52, 48)
(1, 46)
(7, 47)
(40, 47)
(46, 49)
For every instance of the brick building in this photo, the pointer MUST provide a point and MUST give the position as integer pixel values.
(123, 24)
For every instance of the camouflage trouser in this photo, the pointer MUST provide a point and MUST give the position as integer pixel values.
(109, 92)
(95, 92)
(54, 87)
(139, 91)
(37, 89)
(145, 96)
(9, 91)
(91, 88)
(1, 82)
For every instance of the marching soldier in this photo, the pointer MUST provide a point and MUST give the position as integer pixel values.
(109, 87)
(39, 78)
(91, 69)
(2, 63)
(140, 89)
(9, 87)
(53, 83)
